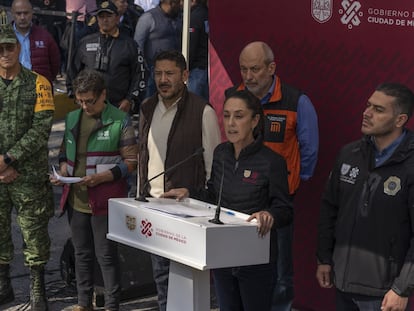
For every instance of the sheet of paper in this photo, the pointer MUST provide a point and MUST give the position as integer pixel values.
(104, 167)
(180, 210)
(66, 180)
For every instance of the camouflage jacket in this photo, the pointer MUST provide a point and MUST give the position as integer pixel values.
(26, 116)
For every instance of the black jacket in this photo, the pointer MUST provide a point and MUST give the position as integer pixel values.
(122, 68)
(256, 181)
(199, 30)
(367, 220)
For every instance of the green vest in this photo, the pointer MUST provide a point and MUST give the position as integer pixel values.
(103, 143)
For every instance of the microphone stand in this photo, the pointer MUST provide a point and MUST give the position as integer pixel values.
(142, 198)
(216, 220)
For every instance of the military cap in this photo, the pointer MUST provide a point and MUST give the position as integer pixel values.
(7, 34)
(107, 6)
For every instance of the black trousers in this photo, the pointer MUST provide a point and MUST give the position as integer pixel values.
(89, 240)
(247, 288)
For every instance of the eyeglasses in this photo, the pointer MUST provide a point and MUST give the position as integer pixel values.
(87, 102)
(7, 47)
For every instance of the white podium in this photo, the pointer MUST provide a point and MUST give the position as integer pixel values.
(181, 232)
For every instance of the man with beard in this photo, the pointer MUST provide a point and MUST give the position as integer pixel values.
(365, 237)
(158, 30)
(174, 123)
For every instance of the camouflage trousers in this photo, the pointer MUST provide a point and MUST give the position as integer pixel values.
(34, 206)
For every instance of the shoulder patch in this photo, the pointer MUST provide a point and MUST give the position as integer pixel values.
(44, 97)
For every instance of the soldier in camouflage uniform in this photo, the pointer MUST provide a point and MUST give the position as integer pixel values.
(26, 116)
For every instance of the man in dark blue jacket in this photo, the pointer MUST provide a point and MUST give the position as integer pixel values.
(116, 56)
(198, 56)
(365, 238)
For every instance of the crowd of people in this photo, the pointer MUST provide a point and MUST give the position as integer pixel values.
(121, 62)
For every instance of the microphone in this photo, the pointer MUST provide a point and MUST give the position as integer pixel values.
(216, 220)
(142, 198)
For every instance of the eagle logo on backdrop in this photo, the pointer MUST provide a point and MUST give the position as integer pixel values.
(322, 10)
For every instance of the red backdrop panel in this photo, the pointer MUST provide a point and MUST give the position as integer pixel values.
(336, 52)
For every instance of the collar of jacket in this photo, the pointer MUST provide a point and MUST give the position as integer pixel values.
(103, 119)
(114, 34)
(405, 148)
(249, 149)
(145, 108)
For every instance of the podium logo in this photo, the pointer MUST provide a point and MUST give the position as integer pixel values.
(350, 13)
(146, 228)
(321, 10)
(131, 222)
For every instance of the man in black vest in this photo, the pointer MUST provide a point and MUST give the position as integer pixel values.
(174, 123)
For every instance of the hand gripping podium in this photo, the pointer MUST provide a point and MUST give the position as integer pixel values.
(181, 232)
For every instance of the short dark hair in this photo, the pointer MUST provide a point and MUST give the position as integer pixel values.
(173, 56)
(89, 80)
(404, 97)
(253, 104)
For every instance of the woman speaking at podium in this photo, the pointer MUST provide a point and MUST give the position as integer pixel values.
(250, 178)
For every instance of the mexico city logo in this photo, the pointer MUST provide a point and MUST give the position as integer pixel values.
(350, 13)
(146, 228)
(321, 10)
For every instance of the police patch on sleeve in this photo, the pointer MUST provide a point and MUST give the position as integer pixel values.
(44, 100)
(392, 185)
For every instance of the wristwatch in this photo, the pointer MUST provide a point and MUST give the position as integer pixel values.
(7, 160)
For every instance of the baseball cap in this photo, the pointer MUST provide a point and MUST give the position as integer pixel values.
(107, 6)
(7, 34)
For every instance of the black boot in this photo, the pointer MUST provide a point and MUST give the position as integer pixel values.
(38, 301)
(6, 290)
